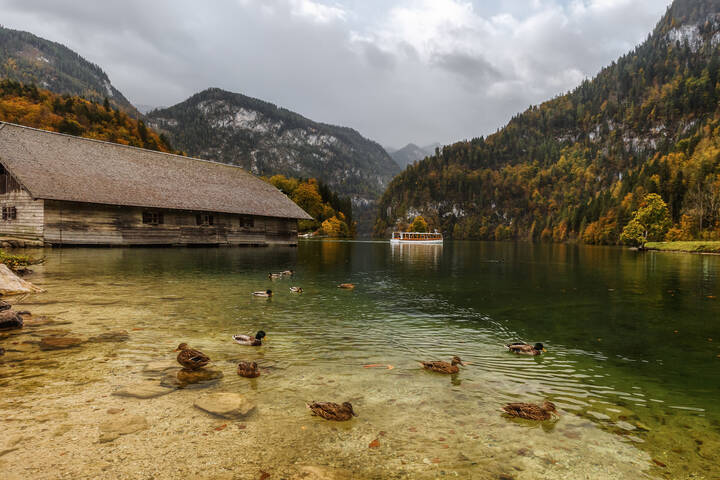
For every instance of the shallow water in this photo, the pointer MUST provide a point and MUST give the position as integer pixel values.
(632, 363)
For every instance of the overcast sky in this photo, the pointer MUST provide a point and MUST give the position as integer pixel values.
(398, 71)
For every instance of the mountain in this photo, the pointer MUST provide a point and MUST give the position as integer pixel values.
(29, 59)
(577, 166)
(39, 108)
(411, 153)
(268, 140)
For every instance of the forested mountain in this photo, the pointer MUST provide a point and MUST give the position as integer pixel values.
(411, 153)
(268, 140)
(579, 164)
(29, 59)
(39, 108)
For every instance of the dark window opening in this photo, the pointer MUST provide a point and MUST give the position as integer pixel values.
(9, 213)
(247, 222)
(153, 218)
(204, 219)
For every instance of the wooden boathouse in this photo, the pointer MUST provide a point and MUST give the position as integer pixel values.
(66, 190)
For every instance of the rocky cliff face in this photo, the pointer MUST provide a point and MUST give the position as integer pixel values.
(239, 130)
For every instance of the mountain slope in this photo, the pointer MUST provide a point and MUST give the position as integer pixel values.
(29, 59)
(410, 154)
(577, 165)
(268, 140)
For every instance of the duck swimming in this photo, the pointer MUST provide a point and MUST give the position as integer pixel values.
(266, 293)
(296, 289)
(250, 341)
(274, 276)
(332, 411)
(347, 286)
(288, 273)
(191, 359)
(248, 369)
(522, 348)
(444, 367)
(530, 411)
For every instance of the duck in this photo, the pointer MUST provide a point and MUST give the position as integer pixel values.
(530, 411)
(296, 289)
(288, 273)
(248, 369)
(522, 348)
(274, 276)
(444, 367)
(250, 341)
(191, 359)
(265, 294)
(348, 286)
(332, 411)
(2, 351)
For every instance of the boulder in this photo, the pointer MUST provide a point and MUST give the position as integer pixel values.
(225, 405)
(11, 284)
(10, 319)
(124, 425)
(59, 343)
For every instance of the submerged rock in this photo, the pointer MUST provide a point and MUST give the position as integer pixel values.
(10, 319)
(226, 405)
(159, 366)
(142, 390)
(4, 306)
(125, 425)
(11, 284)
(117, 336)
(316, 472)
(59, 343)
(182, 378)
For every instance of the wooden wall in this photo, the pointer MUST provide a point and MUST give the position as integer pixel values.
(28, 223)
(68, 223)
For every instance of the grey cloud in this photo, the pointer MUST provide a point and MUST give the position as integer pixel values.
(470, 67)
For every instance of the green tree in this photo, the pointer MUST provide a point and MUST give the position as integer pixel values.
(419, 225)
(650, 222)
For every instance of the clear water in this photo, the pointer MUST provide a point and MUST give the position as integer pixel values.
(633, 363)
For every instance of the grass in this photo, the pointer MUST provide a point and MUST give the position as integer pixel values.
(17, 262)
(692, 247)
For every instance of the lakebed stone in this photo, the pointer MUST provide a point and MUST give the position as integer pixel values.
(142, 390)
(123, 425)
(182, 378)
(10, 319)
(116, 336)
(59, 343)
(225, 404)
(316, 472)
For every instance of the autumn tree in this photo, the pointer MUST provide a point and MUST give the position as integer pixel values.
(419, 225)
(650, 222)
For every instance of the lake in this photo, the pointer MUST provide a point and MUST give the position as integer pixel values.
(633, 363)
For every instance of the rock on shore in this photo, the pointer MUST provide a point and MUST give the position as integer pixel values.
(11, 284)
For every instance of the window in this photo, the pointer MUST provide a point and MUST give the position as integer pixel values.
(9, 213)
(204, 219)
(247, 222)
(153, 218)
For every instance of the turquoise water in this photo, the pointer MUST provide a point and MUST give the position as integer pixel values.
(632, 362)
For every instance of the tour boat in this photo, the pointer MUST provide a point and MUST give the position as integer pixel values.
(420, 238)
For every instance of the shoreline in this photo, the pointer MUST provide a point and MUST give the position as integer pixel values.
(696, 247)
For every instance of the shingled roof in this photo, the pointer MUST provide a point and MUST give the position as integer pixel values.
(54, 166)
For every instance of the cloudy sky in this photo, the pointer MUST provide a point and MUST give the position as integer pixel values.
(398, 71)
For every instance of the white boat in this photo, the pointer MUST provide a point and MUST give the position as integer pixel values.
(419, 238)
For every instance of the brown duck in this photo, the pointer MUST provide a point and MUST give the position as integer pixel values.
(530, 411)
(248, 369)
(332, 411)
(522, 348)
(444, 367)
(191, 359)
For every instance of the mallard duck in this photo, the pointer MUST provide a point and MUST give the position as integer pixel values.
(444, 367)
(332, 411)
(522, 348)
(296, 289)
(250, 341)
(248, 369)
(530, 411)
(274, 276)
(348, 286)
(191, 359)
(266, 293)
(288, 273)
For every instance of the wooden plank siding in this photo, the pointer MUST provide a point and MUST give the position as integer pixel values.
(28, 222)
(74, 223)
